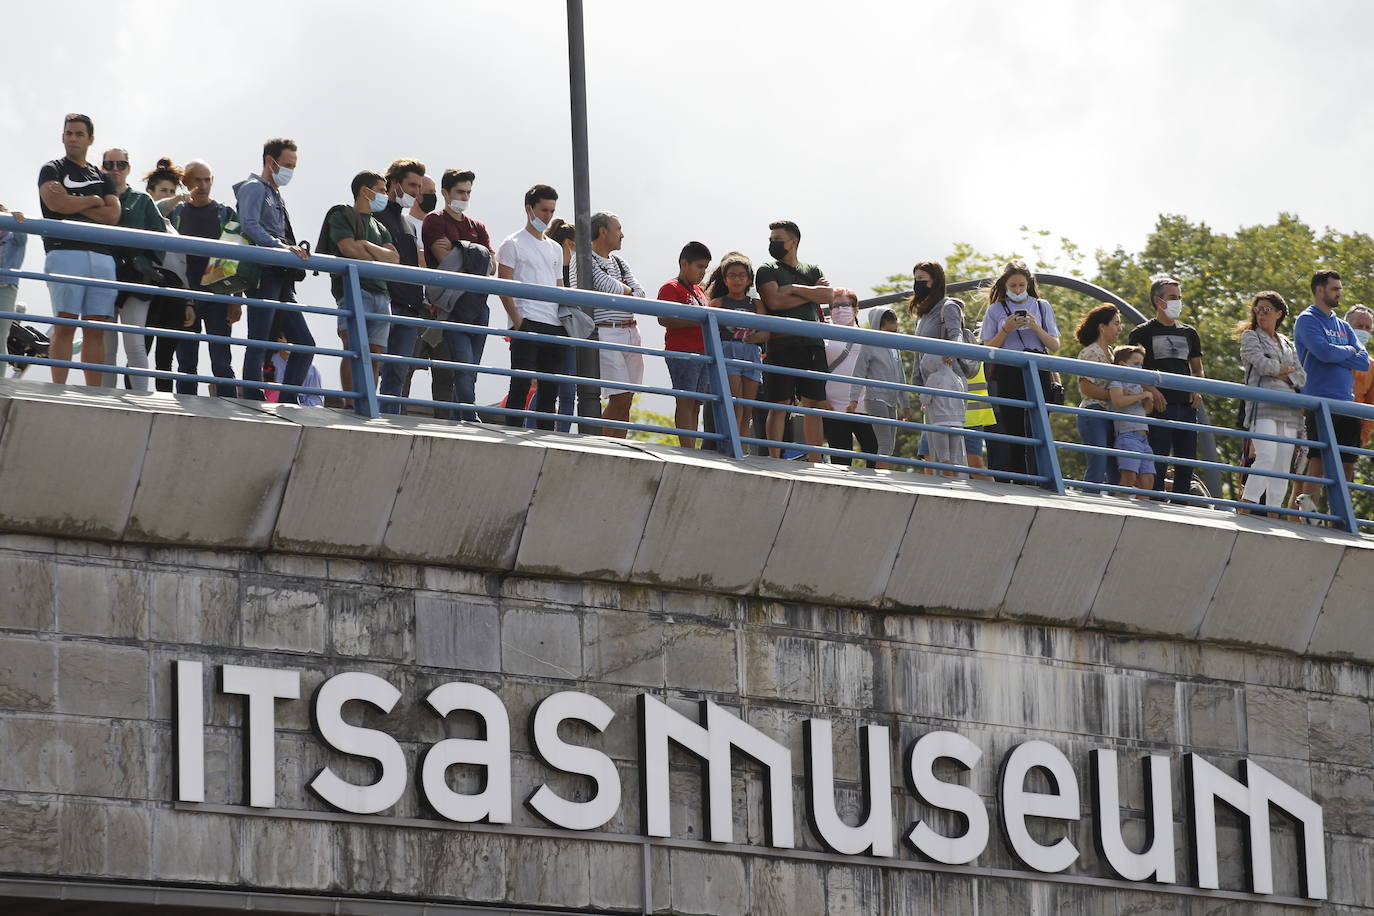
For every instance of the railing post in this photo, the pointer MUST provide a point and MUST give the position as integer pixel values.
(364, 391)
(1338, 501)
(724, 406)
(1046, 458)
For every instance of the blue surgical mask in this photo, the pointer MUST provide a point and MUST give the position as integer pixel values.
(1361, 336)
(1018, 297)
(538, 224)
(283, 176)
(377, 203)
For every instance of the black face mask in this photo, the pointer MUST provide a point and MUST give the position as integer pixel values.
(428, 202)
(777, 249)
(922, 289)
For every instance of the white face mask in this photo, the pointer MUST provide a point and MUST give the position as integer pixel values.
(1361, 336)
(457, 206)
(1173, 308)
(842, 314)
(406, 200)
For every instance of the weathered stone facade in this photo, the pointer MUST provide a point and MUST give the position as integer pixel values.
(89, 632)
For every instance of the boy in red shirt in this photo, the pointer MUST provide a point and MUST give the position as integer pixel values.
(684, 336)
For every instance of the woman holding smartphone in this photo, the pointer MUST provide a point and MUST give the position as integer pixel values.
(1016, 319)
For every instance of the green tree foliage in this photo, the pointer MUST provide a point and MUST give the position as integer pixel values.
(1219, 273)
(649, 418)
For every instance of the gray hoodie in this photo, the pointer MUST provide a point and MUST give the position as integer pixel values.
(880, 363)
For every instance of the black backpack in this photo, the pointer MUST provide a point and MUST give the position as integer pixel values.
(324, 245)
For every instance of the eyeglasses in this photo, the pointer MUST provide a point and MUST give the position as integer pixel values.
(1264, 309)
(115, 165)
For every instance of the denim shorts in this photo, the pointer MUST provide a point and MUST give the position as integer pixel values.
(689, 375)
(976, 445)
(85, 301)
(1135, 441)
(738, 349)
(373, 304)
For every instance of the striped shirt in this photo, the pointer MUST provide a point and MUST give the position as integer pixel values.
(607, 276)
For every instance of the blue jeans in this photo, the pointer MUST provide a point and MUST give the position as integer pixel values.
(466, 347)
(400, 342)
(216, 318)
(278, 286)
(1181, 443)
(1096, 431)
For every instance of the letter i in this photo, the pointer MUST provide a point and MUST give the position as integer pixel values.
(188, 696)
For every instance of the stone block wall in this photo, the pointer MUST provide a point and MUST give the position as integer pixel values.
(89, 632)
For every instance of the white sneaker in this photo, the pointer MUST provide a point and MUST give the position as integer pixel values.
(1307, 504)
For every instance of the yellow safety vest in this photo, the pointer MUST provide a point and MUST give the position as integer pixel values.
(978, 413)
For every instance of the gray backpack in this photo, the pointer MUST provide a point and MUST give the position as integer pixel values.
(969, 367)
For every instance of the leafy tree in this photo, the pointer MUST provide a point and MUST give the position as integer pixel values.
(649, 418)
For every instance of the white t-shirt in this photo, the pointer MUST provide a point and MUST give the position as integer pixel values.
(415, 227)
(536, 261)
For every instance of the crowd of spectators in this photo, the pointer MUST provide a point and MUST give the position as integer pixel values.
(400, 216)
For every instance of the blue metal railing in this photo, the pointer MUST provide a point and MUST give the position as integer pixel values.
(726, 435)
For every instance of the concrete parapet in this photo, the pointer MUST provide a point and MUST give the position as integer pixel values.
(960, 548)
(343, 483)
(211, 474)
(1163, 572)
(724, 542)
(1343, 626)
(589, 508)
(838, 539)
(1273, 588)
(214, 473)
(70, 459)
(463, 496)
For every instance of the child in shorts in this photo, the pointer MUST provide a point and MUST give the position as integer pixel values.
(1130, 398)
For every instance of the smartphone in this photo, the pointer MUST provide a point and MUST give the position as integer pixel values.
(1021, 313)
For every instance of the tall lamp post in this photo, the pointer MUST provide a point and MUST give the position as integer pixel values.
(588, 358)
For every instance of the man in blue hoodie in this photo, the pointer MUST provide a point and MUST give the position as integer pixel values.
(1331, 354)
(266, 224)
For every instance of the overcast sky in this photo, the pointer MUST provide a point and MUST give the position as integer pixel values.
(888, 131)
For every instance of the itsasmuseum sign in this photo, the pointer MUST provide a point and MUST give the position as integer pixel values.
(713, 738)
